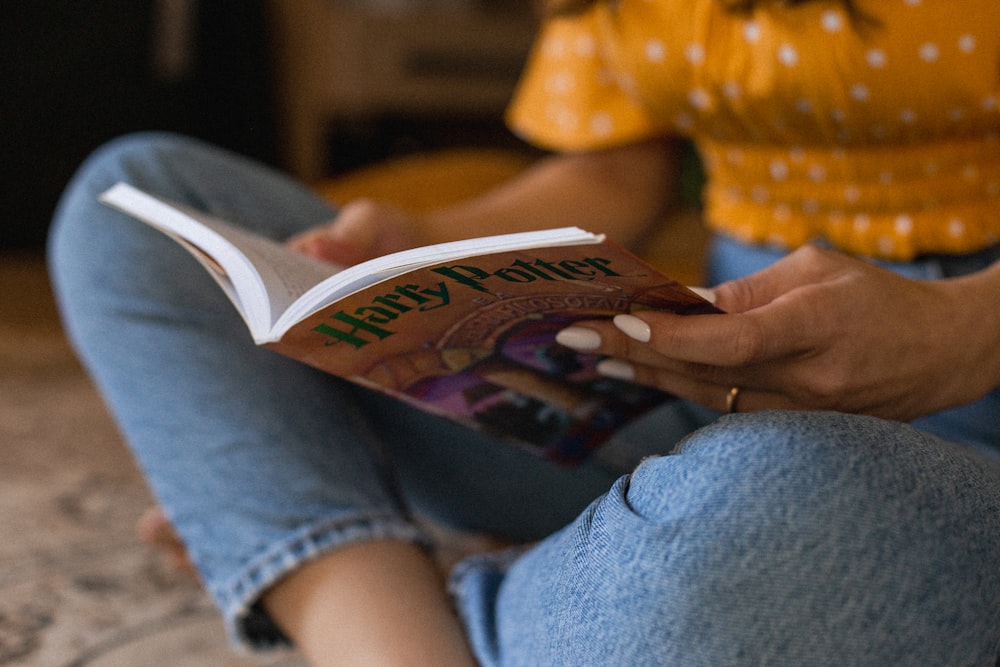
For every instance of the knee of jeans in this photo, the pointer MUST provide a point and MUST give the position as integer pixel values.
(808, 469)
(770, 532)
(133, 157)
(81, 226)
(136, 155)
(796, 522)
(789, 489)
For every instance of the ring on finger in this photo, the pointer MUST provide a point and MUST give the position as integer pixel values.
(731, 398)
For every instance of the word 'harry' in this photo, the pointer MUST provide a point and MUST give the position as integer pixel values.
(365, 324)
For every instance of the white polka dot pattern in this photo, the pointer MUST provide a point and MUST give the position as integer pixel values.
(880, 137)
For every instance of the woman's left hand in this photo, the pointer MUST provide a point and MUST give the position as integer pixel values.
(817, 330)
(363, 229)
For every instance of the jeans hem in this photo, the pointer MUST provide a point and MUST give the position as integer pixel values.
(473, 586)
(247, 623)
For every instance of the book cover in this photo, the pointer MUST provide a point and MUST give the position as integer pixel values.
(465, 330)
(474, 340)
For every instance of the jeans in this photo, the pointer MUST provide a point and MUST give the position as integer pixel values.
(765, 538)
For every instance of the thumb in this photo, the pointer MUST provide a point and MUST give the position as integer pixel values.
(763, 287)
(347, 239)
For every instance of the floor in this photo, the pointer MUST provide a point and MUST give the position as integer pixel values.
(77, 589)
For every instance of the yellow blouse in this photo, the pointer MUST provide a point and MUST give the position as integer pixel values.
(882, 138)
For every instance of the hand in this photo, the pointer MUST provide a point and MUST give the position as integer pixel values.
(363, 229)
(817, 330)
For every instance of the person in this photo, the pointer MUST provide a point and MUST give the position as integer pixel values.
(846, 512)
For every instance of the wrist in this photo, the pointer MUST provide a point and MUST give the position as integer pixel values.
(977, 328)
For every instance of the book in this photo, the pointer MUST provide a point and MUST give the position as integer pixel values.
(465, 329)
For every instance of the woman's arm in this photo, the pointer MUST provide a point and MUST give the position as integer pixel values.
(620, 191)
(819, 330)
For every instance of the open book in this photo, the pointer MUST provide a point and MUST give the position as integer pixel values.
(464, 329)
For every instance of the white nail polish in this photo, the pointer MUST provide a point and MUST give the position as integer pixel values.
(616, 369)
(579, 338)
(633, 327)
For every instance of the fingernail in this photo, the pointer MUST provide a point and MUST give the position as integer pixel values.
(579, 338)
(633, 327)
(616, 369)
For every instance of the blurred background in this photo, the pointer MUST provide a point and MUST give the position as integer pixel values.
(312, 86)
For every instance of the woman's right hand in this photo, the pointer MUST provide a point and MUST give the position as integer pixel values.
(363, 229)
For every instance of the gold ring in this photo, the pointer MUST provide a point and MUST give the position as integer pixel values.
(731, 397)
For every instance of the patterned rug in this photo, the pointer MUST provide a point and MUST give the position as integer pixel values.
(77, 589)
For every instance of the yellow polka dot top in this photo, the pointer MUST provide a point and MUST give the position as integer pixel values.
(879, 135)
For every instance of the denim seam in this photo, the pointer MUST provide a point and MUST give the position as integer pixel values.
(238, 598)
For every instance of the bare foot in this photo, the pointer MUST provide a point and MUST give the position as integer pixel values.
(155, 529)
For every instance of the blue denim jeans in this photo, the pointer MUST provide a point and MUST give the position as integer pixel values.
(764, 538)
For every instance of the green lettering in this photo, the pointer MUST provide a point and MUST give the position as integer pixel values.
(410, 292)
(441, 294)
(515, 276)
(579, 268)
(351, 336)
(466, 275)
(386, 315)
(391, 300)
(601, 265)
(548, 270)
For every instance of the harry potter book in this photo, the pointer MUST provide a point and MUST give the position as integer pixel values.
(465, 330)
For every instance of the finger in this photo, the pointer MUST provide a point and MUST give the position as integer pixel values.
(670, 343)
(803, 266)
(703, 383)
(745, 339)
(348, 239)
(318, 247)
(720, 397)
(602, 337)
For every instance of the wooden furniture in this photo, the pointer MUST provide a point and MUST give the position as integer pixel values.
(344, 59)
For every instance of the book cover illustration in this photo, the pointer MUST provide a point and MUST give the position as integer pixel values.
(474, 340)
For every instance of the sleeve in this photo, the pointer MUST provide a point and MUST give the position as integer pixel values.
(569, 98)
